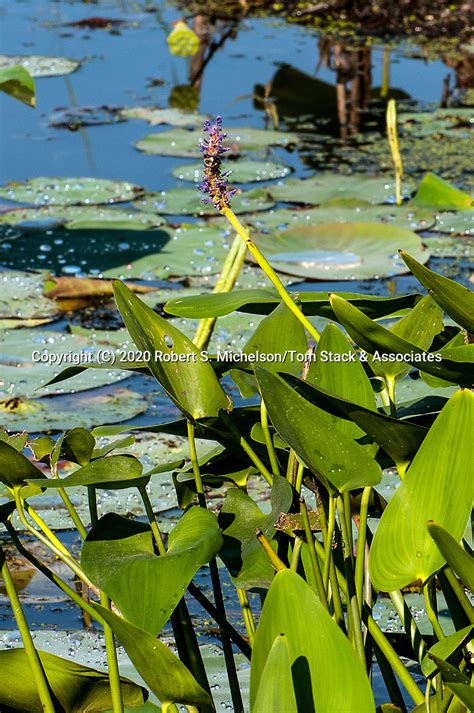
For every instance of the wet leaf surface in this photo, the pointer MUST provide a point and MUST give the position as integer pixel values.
(242, 171)
(340, 251)
(189, 201)
(41, 66)
(69, 191)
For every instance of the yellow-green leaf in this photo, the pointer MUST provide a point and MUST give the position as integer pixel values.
(182, 41)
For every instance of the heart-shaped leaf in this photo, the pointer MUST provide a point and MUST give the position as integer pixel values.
(118, 556)
(435, 192)
(15, 468)
(437, 486)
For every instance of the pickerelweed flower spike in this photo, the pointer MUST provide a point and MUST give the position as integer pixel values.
(214, 182)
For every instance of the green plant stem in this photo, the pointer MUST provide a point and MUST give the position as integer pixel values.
(459, 593)
(246, 447)
(397, 665)
(73, 513)
(392, 132)
(409, 624)
(39, 675)
(290, 467)
(195, 464)
(272, 456)
(390, 381)
(361, 542)
(59, 552)
(269, 272)
(299, 477)
(152, 520)
(295, 555)
(230, 272)
(247, 614)
(346, 499)
(272, 555)
(439, 633)
(385, 74)
(216, 586)
(52, 576)
(320, 590)
(389, 678)
(353, 605)
(111, 651)
(331, 521)
(336, 580)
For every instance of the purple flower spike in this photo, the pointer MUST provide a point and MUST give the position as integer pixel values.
(214, 182)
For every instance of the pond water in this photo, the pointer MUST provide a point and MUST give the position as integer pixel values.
(128, 64)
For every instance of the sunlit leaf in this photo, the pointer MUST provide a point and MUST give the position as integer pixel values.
(458, 559)
(438, 193)
(182, 41)
(401, 555)
(271, 697)
(118, 556)
(18, 83)
(327, 675)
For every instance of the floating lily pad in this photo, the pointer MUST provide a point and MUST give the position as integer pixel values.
(186, 250)
(112, 404)
(184, 201)
(344, 251)
(155, 116)
(74, 117)
(179, 142)
(441, 121)
(243, 171)
(69, 191)
(460, 223)
(21, 297)
(402, 216)
(329, 186)
(30, 358)
(41, 66)
(450, 247)
(80, 217)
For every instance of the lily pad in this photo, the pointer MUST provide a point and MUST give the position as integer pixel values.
(361, 212)
(243, 171)
(109, 405)
(185, 250)
(41, 66)
(179, 142)
(441, 121)
(337, 251)
(69, 191)
(80, 217)
(184, 201)
(21, 297)
(73, 118)
(155, 116)
(332, 186)
(30, 358)
(450, 247)
(460, 223)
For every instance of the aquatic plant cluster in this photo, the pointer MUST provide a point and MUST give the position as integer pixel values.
(338, 390)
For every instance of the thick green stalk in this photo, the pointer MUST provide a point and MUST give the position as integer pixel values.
(354, 616)
(152, 520)
(269, 272)
(111, 652)
(299, 477)
(247, 614)
(195, 464)
(390, 381)
(433, 619)
(331, 522)
(230, 272)
(295, 555)
(68, 504)
(409, 624)
(361, 542)
(397, 664)
(320, 590)
(268, 439)
(39, 676)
